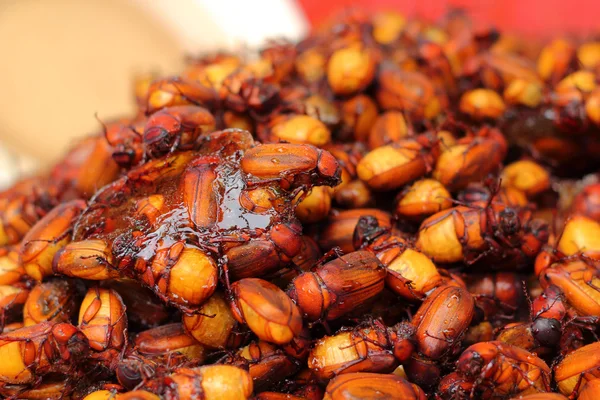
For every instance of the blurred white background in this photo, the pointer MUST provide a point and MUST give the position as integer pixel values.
(65, 60)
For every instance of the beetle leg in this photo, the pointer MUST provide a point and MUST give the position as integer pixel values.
(573, 395)
(388, 245)
(224, 273)
(358, 332)
(335, 252)
(523, 376)
(261, 182)
(444, 339)
(588, 323)
(409, 286)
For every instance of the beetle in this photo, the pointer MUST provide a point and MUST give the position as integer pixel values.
(266, 309)
(369, 385)
(40, 349)
(442, 320)
(333, 289)
(369, 347)
(209, 382)
(47, 236)
(53, 300)
(577, 368)
(267, 364)
(158, 352)
(103, 321)
(506, 370)
(175, 128)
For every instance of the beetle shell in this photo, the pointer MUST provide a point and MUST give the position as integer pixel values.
(364, 385)
(482, 104)
(339, 228)
(40, 349)
(577, 368)
(578, 283)
(214, 325)
(507, 370)
(470, 160)
(407, 91)
(210, 382)
(350, 70)
(266, 309)
(392, 166)
(102, 319)
(338, 286)
(449, 235)
(411, 274)
(422, 199)
(442, 320)
(349, 352)
(589, 391)
(169, 338)
(50, 301)
(46, 237)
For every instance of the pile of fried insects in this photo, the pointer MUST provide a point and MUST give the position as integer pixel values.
(387, 209)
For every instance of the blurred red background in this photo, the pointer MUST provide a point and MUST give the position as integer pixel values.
(529, 17)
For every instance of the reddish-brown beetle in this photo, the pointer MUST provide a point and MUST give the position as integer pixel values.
(481, 104)
(210, 382)
(455, 386)
(392, 166)
(369, 347)
(506, 370)
(298, 129)
(175, 128)
(497, 295)
(389, 127)
(520, 334)
(86, 259)
(579, 283)
(214, 325)
(410, 273)
(267, 364)
(52, 301)
(335, 288)
(351, 69)
(157, 352)
(442, 320)
(266, 309)
(362, 385)
(103, 321)
(49, 235)
(527, 176)
(422, 199)
(37, 350)
(358, 116)
(548, 312)
(292, 164)
(470, 159)
(577, 368)
(408, 91)
(339, 229)
(176, 91)
(505, 236)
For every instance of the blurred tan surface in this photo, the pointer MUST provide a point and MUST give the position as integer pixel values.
(65, 60)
